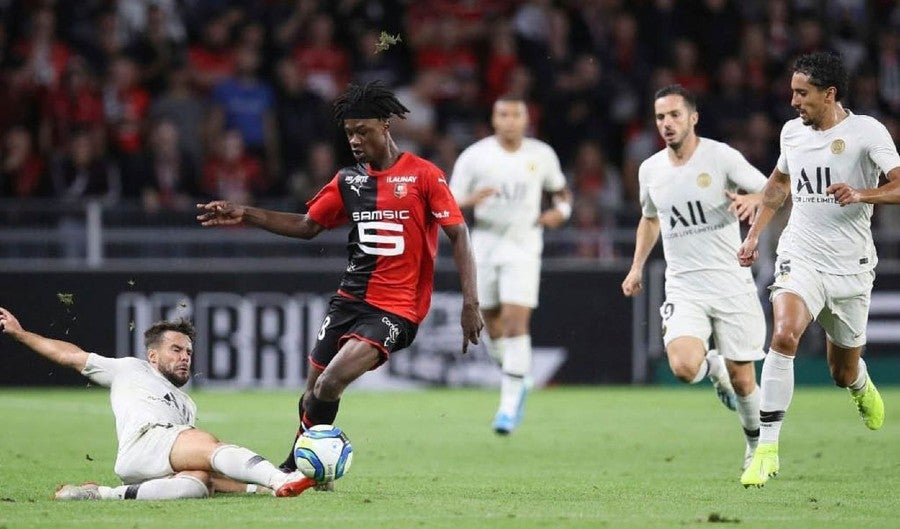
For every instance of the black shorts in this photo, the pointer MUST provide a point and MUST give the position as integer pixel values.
(352, 318)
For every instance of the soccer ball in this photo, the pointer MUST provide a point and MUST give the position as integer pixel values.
(323, 453)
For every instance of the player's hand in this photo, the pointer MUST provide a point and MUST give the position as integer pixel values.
(744, 206)
(481, 195)
(220, 213)
(8, 323)
(551, 218)
(633, 283)
(472, 323)
(843, 193)
(748, 253)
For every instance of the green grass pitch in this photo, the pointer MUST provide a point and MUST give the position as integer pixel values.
(628, 457)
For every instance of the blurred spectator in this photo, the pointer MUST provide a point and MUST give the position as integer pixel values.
(687, 69)
(594, 179)
(212, 59)
(501, 62)
(137, 17)
(886, 58)
(103, 43)
(318, 171)
(417, 132)
(460, 118)
(125, 106)
(155, 50)
(42, 56)
(446, 52)
(22, 173)
(181, 106)
(723, 112)
(231, 173)
(326, 64)
(246, 103)
(163, 176)
(74, 104)
(304, 118)
(81, 173)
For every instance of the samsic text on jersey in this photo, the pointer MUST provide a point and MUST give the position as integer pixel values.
(395, 215)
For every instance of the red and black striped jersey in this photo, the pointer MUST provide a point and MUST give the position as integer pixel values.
(393, 243)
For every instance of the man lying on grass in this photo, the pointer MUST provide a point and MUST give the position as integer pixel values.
(161, 455)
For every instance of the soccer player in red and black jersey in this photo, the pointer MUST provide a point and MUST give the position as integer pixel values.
(395, 202)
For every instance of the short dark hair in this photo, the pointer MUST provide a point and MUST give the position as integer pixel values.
(367, 101)
(824, 69)
(155, 332)
(677, 90)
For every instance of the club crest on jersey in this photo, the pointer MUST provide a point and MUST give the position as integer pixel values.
(400, 190)
(838, 146)
(703, 180)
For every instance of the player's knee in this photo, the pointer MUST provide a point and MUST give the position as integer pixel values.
(785, 341)
(194, 484)
(328, 386)
(843, 375)
(683, 370)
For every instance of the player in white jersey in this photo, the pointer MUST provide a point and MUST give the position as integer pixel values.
(161, 454)
(689, 194)
(503, 178)
(830, 164)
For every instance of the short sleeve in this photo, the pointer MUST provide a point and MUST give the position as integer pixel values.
(648, 208)
(782, 164)
(440, 201)
(740, 172)
(103, 370)
(461, 179)
(554, 179)
(881, 149)
(327, 207)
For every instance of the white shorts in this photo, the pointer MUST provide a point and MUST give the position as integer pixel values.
(840, 303)
(736, 323)
(514, 283)
(147, 457)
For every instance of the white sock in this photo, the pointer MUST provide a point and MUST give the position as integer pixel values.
(859, 385)
(241, 464)
(174, 488)
(516, 366)
(495, 347)
(748, 413)
(777, 388)
(716, 363)
(702, 371)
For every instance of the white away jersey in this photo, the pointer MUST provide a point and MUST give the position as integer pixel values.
(506, 225)
(141, 397)
(834, 239)
(700, 236)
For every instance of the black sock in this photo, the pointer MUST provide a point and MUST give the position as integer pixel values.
(289, 464)
(320, 411)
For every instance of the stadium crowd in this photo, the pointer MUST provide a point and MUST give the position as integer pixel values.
(167, 102)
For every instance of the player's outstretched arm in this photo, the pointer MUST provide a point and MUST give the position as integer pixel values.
(778, 188)
(57, 351)
(889, 193)
(644, 240)
(471, 319)
(224, 213)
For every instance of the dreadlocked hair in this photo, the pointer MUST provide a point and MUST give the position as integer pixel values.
(370, 100)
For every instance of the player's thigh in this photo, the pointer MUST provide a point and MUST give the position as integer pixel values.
(342, 313)
(682, 318)
(488, 285)
(519, 282)
(801, 279)
(192, 450)
(846, 313)
(148, 457)
(739, 327)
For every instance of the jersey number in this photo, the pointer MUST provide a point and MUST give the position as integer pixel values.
(387, 244)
